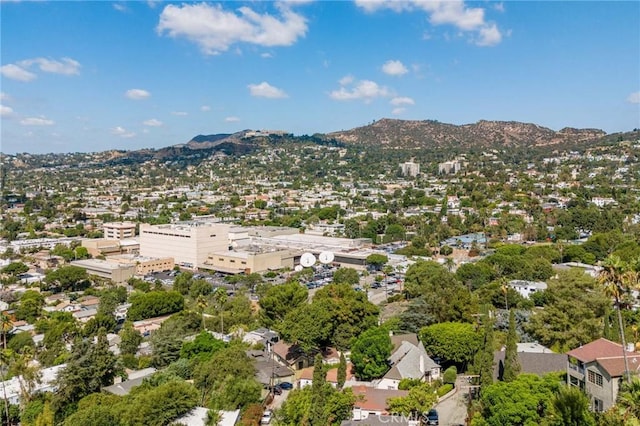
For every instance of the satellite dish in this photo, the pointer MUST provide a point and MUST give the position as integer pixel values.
(298, 268)
(307, 260)
(326, 257)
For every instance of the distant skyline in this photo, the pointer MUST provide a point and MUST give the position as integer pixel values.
(81, 76)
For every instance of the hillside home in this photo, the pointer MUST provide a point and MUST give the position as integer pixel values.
(598, 368)
(409, 360)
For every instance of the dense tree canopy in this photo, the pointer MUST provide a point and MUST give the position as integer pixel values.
(154, 304)
(451, 341)
(369, 353)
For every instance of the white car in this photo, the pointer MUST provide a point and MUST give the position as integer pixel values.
(266, 418)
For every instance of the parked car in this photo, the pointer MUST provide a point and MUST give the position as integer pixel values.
(266, 418)
(285, 385)
(432, 417)
(277, 390)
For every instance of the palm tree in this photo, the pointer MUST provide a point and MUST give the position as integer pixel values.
(5, 325)
(613, 279)
(220, 298)
(201, 305)
(629, 400)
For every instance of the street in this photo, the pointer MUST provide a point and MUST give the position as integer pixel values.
(453, 410)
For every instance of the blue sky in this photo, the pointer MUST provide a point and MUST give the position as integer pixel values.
(91, 76)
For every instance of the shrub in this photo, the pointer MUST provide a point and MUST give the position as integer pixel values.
(444, 389)
(449, 376)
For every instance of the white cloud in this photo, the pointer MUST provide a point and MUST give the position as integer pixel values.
(394, 68)
(4, 97)
(265, 90)
(205, 108)
(398, 111)
(137, 94)
(152, 122)
(5, 111)
(231, 119)
(444, 12)
(65, 66)
(179, 113)
(37, 121)
(15, 72)
(346, 80)
(266, 55)
(120, 7)
(634, 98)
(402, 100)
(366, 90)
(122, 132)
(215, 29)
(489, 36)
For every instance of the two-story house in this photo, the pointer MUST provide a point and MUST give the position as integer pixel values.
(597, 368)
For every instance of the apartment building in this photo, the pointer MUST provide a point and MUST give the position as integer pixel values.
(119, 230)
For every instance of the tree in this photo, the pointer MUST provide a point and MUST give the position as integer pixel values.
(483, 361)
(369, 353)
(30, 308)
(89, 367)
(628, 402)
(452, 341)
(65, 277)
(220, 298)
(420, 399)
(335, 316)
(571, 408)
(525, 401)
(573, 313)
(130, 339)
(511, 363)
(614, 279)
(281, 299)
(376, 260)
(15, 268)
(153, 304)
(346, 275)
(319, 392)
(342, 371)
(161, 405)
(203, 346)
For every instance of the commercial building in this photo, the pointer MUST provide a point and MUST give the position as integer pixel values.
(119, 230)
(189, 243)
(108, 247)
(144, 265)
(118, 273)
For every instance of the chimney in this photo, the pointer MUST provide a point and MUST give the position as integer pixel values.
(422, 364)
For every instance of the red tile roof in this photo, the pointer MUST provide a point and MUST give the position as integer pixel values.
(601, 348)
(375, 399)
(615, 365)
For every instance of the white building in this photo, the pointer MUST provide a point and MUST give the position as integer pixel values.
(189, 243)
(410, 169)
(526, 288)
(11, 388)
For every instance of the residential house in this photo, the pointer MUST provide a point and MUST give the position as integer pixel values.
(135, 378)
(199, 415)
(533, 358)
(306, 376)
(597, 368)
(48, 383)
(292, 355)
(409, 360)
(526, 288)
(372, 402)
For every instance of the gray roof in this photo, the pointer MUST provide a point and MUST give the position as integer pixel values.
(406, 362)
(532, 362)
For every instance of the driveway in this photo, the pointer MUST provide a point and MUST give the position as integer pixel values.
(453, 410)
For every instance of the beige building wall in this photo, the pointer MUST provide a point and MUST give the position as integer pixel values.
(115, 272)
(249, 262)
(144, 265)
(119, 230)
(189, 244)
